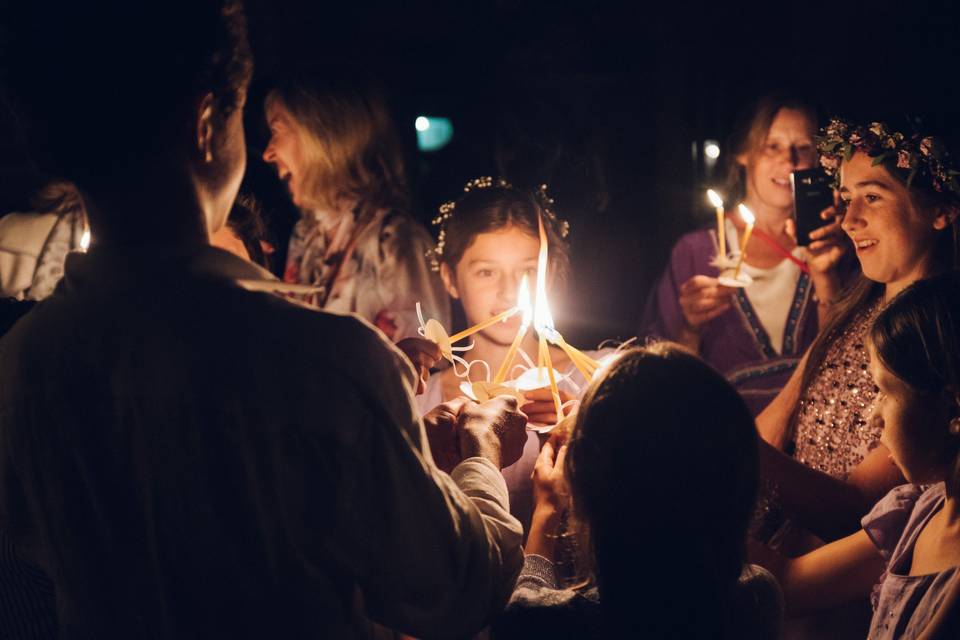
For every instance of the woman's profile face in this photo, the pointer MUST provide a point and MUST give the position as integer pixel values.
(788, 147)
(893, 241)
(285, 151)
(488, 276)
(915, 428)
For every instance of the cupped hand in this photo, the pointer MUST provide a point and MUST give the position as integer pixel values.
(549, 480)
(440, 424)
(495, 429)
(702, 299)
(539, 405)
(423, 354)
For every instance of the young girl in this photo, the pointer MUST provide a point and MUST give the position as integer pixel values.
(666, 549)
(489, 242)
(334, 144)
(754, 336)
(911, 538)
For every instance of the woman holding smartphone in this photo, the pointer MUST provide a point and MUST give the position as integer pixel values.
(756, 335)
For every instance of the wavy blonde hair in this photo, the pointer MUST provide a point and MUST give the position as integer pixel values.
(348, 139)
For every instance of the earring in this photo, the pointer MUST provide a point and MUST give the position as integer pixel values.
(208, 155)
(955, 426)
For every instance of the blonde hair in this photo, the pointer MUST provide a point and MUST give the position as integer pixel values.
(349, 141)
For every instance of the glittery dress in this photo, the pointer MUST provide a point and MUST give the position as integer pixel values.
(833, 431)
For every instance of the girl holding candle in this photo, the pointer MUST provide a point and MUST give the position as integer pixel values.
(488, 242)
(755, 336)
(333, 142)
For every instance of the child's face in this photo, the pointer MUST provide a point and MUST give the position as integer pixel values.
(915, 427)
(893, 241)
(488, 276)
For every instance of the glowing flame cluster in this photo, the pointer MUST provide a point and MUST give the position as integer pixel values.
(542, 318)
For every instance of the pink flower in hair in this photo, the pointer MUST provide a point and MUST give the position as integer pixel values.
(830, 163)
(903, 159)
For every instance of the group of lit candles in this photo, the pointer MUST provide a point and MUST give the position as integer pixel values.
(538, 315)
(748, 218)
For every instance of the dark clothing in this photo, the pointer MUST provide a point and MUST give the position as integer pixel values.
(175, 485)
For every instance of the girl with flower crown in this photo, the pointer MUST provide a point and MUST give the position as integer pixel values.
(911, 538)
(333, 143)
(754, 336)
(488, 242)
(823, 463)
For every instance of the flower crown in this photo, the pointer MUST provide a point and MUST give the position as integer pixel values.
(544, 200)
(920, 156)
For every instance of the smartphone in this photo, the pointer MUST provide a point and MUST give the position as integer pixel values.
(812, 194)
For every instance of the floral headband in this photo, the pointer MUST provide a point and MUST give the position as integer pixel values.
(921, 156)
(544, 200)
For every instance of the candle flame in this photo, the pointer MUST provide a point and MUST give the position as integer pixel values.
(715, 199)
(746, 214)
(85, 240)
(523, 301)
(542, 319)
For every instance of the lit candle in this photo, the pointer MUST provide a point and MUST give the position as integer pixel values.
(523, 301)
(721, 228)
(748, 218)
(500, 317)
(543, 320)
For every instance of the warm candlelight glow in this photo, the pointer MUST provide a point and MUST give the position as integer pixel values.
(717, 203)
(85, 240)
(749, 219)
(523, 302)
(714, 198)
(543, 320)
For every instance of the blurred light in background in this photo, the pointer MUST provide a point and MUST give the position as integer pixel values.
(433, 133)
(711, 149)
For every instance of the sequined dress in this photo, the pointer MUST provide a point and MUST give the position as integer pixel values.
(833, 430)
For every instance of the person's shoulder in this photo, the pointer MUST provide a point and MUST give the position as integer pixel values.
(698, 243)
(759, 604)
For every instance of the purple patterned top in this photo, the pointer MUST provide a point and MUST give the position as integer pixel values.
(735, 343)
(903, 604)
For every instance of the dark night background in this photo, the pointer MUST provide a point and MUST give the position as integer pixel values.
(603, 100)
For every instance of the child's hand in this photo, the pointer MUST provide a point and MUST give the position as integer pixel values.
(550, 490)
(423, 354)
(539, 407)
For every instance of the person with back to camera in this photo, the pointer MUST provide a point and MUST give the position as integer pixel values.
(176, 454)
(754, 336)
(662, 562)
(333, 142)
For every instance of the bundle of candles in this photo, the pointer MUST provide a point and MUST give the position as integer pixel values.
(543, 375)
